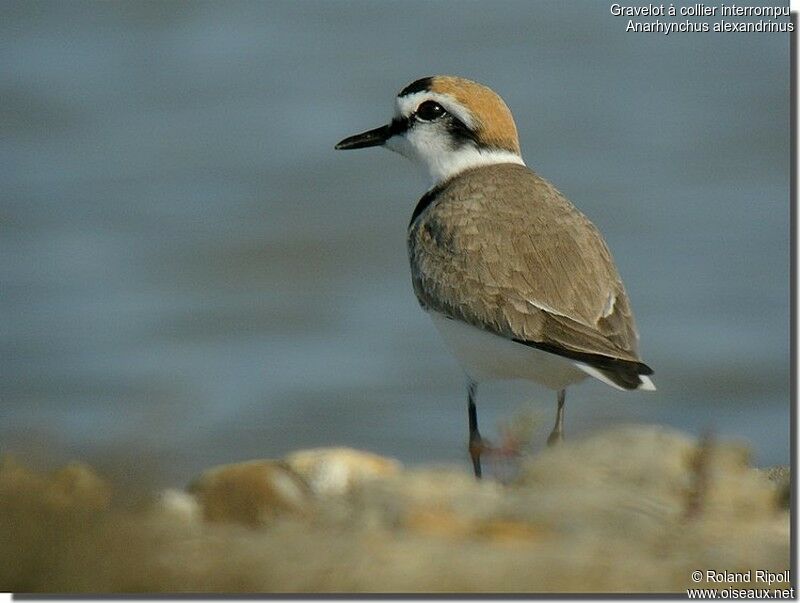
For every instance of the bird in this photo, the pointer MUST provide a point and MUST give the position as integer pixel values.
(519, 283)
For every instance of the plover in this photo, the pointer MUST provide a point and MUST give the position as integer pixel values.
(519, 283)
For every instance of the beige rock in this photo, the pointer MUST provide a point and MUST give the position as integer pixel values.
(335, 471)
(781, 477)
(74, 485)
(622, 464)
(177, 504)
(252, 492)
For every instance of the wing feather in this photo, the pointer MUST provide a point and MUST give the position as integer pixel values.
(500, 248)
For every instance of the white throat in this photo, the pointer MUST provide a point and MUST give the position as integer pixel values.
(442, 161)
(447, 166)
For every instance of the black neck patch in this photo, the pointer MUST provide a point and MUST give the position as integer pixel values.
(426, 201)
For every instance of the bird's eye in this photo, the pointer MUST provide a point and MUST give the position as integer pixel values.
(429, 110)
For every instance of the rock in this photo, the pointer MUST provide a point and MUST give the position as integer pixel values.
(179, 505)
(75, 485)
(252, 492)
(41, 515)
(656, 468)
(335, 471)
(781, 477)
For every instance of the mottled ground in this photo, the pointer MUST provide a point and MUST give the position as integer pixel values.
(636, 509)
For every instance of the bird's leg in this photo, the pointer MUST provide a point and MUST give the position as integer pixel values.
(557, 435)
(475, 440)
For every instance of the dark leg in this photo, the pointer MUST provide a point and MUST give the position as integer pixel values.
(475, 441)
(557, 435)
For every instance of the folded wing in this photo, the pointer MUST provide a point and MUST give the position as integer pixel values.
(500, 248)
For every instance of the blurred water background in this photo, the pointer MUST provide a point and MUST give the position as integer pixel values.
(191, 275)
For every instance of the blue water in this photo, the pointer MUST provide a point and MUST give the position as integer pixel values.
(191, 275)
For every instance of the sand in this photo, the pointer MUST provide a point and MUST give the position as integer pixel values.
(636, 509)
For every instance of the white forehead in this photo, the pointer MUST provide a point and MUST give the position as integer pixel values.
(407, 104)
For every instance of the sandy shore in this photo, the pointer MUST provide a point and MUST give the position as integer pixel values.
(635, 509)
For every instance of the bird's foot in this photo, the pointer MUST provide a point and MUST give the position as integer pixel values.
(556, 437)
(477, 446)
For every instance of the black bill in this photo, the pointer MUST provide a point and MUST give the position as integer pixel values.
(372, 138)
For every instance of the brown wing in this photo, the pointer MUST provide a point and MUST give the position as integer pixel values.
(500, 248)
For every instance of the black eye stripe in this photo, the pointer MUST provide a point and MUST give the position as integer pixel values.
(460, 132)
(399, 125)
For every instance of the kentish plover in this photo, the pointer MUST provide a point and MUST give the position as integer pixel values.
(519, 283)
